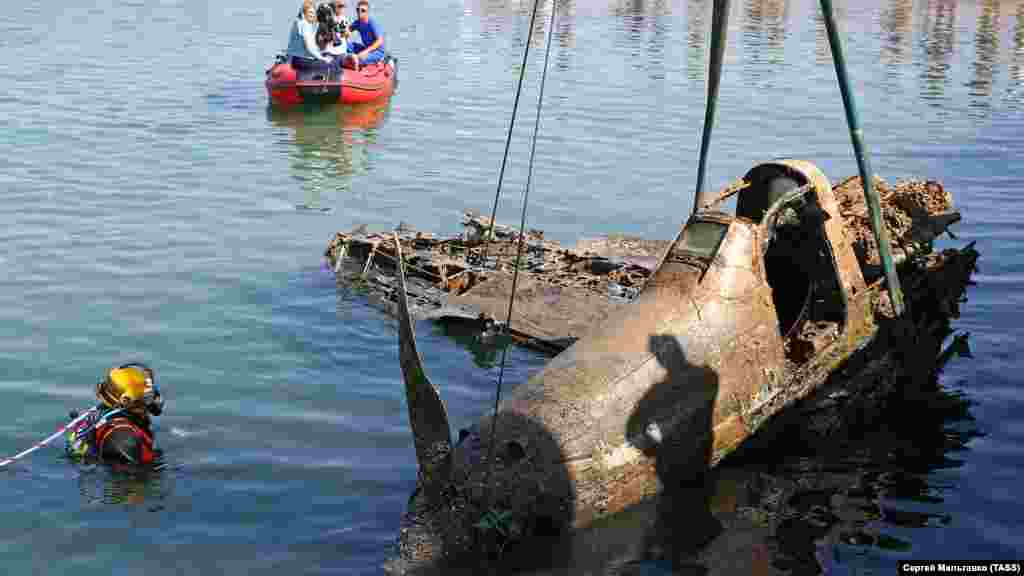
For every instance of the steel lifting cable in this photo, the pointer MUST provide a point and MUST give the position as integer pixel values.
(519, 247)
(511, 124)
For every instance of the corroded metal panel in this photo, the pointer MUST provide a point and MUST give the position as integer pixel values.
(662, 389)
(427, 415)
(842, 248)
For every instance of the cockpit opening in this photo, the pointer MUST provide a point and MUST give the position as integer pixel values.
(798, 259)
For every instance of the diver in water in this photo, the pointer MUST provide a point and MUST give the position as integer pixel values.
(119, 430)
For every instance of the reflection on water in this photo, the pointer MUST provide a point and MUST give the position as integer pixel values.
(986, 49)
(646, 25)
(565, 22)
(939, 24)
(489, 9)
(645, 32)
(897, 24)
(468, 334)
(870, 491)
(696, 32)
(822, 51)
(918, 35)
(1015, 86)
(660, 28)
(632, 12)
(764, 36)
(540, 27)
(844, 503)
(101, 485)
(332, 143)
(644, 36)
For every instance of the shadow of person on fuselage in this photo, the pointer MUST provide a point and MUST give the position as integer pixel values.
(675, 421)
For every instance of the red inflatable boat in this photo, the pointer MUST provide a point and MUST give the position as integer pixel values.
(287, 86)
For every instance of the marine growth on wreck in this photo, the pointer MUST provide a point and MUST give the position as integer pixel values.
(743, 319)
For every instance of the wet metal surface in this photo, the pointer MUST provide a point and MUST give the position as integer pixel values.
(630, 417)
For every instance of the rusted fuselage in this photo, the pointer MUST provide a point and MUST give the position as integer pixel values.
(745, 313)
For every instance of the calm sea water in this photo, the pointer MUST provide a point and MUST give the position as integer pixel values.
(155, 209)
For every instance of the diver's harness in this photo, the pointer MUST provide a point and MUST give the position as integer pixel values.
(80, 441)
(86, 440)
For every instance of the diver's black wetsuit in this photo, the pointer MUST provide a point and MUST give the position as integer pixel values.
(126, 439)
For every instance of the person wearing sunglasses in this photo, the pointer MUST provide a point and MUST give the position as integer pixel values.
(371, 47)
(341, 22)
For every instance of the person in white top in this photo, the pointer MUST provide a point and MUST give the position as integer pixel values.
(302, 46)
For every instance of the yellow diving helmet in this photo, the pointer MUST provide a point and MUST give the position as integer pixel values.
(131, 386)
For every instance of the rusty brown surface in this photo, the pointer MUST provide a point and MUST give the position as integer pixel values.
(642, 250)
(914, 212)
(841, 235)
(665, 387)
(560, 292)
(587, 282)
(542, 309)
(945, 277)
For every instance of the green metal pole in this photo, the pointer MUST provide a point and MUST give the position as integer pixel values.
(863, 160)
(719, 31)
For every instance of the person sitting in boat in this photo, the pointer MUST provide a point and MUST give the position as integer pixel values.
(332, 33)
(119, 431)
(371, 47)
(341, 24)
(303, 51)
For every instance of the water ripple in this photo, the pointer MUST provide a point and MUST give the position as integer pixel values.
(151, 212)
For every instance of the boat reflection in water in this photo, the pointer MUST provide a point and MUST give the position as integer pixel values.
(332, 143)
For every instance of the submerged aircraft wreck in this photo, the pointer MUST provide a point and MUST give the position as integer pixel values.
(794, 302)
(780, 306)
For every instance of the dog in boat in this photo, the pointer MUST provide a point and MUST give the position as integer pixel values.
(325, 25)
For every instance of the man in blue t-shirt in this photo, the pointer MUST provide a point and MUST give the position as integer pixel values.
(371, 49)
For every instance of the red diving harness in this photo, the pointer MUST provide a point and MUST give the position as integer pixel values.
(106, 427)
